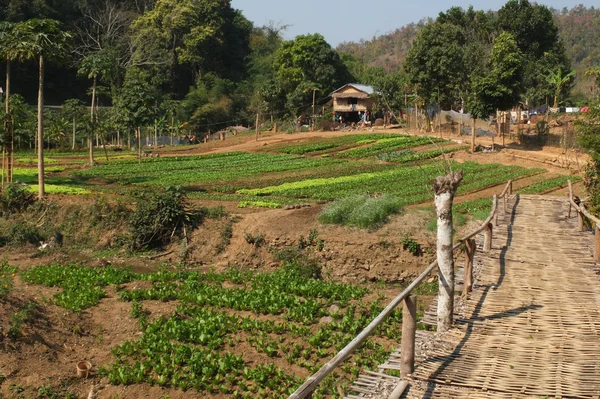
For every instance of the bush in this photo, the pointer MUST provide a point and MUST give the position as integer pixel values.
(361, 211)
(411, 245)
(158, 216)
(20, 233)
(15, 198)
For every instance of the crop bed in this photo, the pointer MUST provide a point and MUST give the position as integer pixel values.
(411, 183)
(239, 334)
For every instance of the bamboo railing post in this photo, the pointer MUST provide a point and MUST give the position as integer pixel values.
(487, 245)
(409, 328)
(579, 221)
(496, 218)
(597, 247)
(470, 247)
(510, 188)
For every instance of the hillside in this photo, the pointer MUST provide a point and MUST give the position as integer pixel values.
(579, 29)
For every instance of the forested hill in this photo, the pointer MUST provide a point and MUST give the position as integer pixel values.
(579, 29)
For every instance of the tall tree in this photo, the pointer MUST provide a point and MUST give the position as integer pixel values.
(93, 66)
(191, 38)
(435, 63)
(499, 88)
(536, 34)
(136, 102)
(305, 67)
(45, 40)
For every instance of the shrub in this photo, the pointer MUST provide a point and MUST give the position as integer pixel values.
(160, 215)
(411, 245)
(257, 240)
(361, 211)
(20, 233)
(15, 198)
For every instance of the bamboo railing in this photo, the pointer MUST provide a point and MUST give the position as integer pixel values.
(581, 213)
(409, 303)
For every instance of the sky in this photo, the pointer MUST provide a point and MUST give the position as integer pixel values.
(352, 20)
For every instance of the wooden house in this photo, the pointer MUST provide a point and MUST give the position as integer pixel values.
(351, 99)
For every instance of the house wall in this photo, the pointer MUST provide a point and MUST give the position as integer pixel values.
(341, 105)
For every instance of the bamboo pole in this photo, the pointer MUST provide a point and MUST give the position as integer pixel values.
(470, 248)
(487, 245)
(409, 328)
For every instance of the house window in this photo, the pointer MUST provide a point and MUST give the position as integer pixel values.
(352, 101)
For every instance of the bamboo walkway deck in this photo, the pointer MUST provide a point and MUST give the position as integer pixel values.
(531, 328)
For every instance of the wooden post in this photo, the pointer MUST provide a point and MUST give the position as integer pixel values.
(597, 247)
(504, 203)
(510, 187)
(579, 221)
(256, 127)
(496, 218)
(275, 127)
(487, 245)
(470, 248)
(409, 328)
(444, 188)
(473, 135)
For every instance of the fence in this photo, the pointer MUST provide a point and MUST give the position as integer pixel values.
(581, 213)
(409, 324)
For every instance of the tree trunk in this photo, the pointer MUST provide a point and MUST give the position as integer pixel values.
(139, 144)
(155, 135)
(74, 131)
(40, 130)
(444, 188)
(129, 138)
(473, 135)
(11, 130)
(93, 121)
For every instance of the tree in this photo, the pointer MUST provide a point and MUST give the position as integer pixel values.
(537, 36)
(435, 64)
(191, 38)
(558, 81)
(307, 66)
(444, 189)
(136, 102)
(500, 87)
(93, 66)
(45, 40)
(74, 110)
(588, 129)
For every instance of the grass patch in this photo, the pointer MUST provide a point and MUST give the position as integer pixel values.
(361, 211)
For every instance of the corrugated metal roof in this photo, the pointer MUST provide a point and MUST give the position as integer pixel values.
(365, 88)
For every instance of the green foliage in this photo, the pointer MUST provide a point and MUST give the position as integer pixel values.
(548, 185)
(434, 63)
(305, 64)
(411, 245)
(15, 198)
(589, 138)
(360, 211)
(7, 274)
(255, 240)
(20, 317)
(81, 285)
(160, 215)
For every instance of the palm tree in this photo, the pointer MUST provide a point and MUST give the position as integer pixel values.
(558, 81)
(42, 39)
(12, 48)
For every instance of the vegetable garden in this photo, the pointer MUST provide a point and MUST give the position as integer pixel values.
(240, 334)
